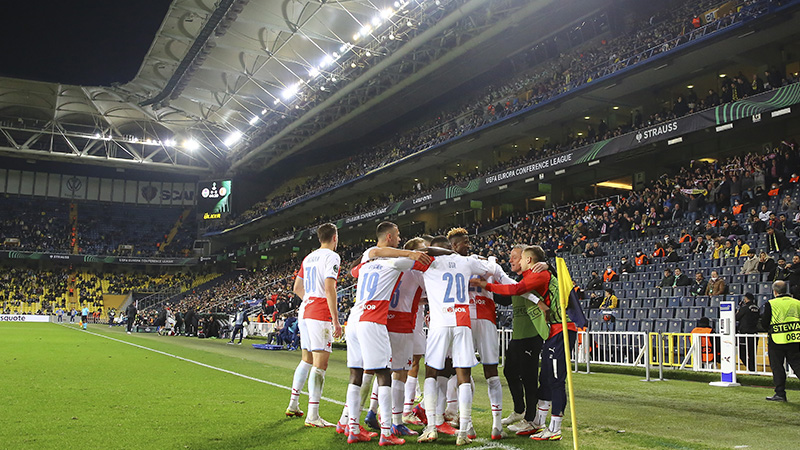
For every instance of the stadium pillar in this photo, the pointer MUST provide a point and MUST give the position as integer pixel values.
(728, 358)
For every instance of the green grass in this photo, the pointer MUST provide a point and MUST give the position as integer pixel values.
(63, 388)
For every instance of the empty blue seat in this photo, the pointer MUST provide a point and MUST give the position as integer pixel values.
(654, 313)
(687, 301)
(675, 326)
(633, 325)
(734, 288)
(641, 313)
(716, 300)
(621, 325)
(696, 312)
(646, 326)
(765, 288)
(702, 300)
(674, 302)
(624, 303)
(668, 313)
(680, 290)
(661, 325)
(636, 302)
(648, 303)
(661, 302)
(681, 313)
(712, 312)
(689, 325)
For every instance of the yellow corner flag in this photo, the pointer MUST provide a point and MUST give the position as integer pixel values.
(564, 289)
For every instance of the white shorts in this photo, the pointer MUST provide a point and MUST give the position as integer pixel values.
(420, 338)
(484, 334)
(368, 346)
(315, 335)
(457, 341)
(402, 350)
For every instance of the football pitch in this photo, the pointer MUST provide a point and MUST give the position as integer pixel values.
(67, 388)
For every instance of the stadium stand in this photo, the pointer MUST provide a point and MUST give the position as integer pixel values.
(653, 35)
(45, 225)
(620, 226)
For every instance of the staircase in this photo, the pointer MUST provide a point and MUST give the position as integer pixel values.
(174, 230)
(73, 225)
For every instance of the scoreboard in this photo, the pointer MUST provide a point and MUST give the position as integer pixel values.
(214, 199)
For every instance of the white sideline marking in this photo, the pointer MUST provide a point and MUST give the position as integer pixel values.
(486, 444)
(288, 388)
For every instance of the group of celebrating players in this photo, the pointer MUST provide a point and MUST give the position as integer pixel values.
(386, 339)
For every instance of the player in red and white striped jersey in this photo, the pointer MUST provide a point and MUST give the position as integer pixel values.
(318, 322)
(446, 283)
(483, 317)
(368, 345)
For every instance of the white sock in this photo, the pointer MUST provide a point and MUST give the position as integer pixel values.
(496, 401)
(555, 424)
(410, 387)
(430, 400)
(398, 391)
(373, 399)
(300, 375)
(441, 400)
(542, 408)
(464, 406)
(385, 402)
(452, 395)
(315, 383)
(345, 412)
(366, 387)
(354, 406)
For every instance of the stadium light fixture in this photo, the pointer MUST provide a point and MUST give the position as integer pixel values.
(365, 30)
(587, 117)
(191, 145)
(723, 75)
(170, 143)
(264, 111)
(233, 138)
(615, 108)
(313, 72)
(253, 120)
(356, 37)
(689, 86)
(327, 60)
(277, 100)
(376, 21)
(290, 91)
(387, 12)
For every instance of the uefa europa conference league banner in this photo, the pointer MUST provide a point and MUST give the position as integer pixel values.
(98, 259)
(750, 108)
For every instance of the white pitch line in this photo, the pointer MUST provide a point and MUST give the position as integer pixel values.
(288, 388)
(487, 445)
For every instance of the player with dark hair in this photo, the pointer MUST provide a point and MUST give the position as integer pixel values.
(368, 343)
(316, 285)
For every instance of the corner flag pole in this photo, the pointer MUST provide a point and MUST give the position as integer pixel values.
(564, 289)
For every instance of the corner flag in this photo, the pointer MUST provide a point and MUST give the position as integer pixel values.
(564, 289)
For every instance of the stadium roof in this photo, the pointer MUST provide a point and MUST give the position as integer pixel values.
(242, 84)
(213, 71)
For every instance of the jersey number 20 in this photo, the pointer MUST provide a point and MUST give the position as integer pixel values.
(460, 283)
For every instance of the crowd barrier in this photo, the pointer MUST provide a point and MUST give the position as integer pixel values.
(659, 351)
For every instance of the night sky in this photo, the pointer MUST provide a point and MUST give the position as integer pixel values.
(85, 42)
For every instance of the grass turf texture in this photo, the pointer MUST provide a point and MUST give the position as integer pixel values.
(65, 388)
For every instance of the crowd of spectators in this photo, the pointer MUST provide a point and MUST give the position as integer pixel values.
(43, 225)
(648, 36)
(718, 202)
